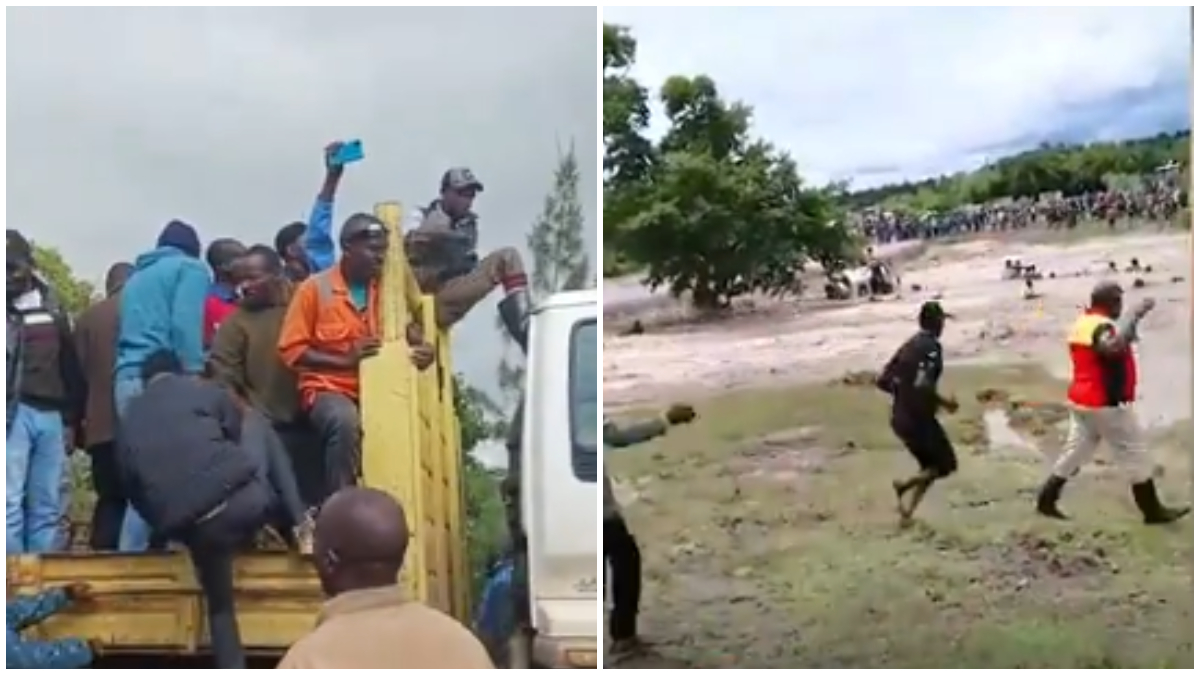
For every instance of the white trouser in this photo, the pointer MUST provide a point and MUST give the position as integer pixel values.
(1116, 426)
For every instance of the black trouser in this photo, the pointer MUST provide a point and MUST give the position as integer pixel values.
(109, 511)
(621, 553)
(304, 449)
(260, 440)
(213, 543)
(926, 440)
(334, 417)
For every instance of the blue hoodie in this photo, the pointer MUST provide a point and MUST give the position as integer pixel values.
(162, 307)
(27, 611)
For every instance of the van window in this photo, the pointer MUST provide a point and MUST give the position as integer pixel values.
(584, 399)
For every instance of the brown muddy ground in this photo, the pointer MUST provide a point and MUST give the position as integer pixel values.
(768, 527)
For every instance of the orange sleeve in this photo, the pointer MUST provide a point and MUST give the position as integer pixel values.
(299, 324)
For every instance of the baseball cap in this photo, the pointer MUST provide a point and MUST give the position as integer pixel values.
(931, 310)
(362, 225)
(460, 178)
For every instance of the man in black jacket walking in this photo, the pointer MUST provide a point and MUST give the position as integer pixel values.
(186, 473)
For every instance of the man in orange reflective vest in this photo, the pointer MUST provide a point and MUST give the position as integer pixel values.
(1100, 401)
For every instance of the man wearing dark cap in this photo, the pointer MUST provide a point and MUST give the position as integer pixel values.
(96, 346)
(332, 324)
(911, 378)
(50, 394)
(362, 537)
(1100, 402)
(446, 264)
(161, 309)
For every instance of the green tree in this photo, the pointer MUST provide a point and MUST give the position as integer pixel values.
(708, 209)
(75, 293)
(1049, 168)
(559, 259)
(479, 421)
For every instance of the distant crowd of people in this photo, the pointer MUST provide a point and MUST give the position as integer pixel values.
(1160, 203)
(216, 392)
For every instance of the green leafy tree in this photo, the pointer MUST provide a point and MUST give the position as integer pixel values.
(709, 209)
(1050, 168)
(75, 293)
(479, 421)
(559, 259)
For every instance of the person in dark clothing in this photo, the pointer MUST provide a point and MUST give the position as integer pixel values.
(96, 349)
(187, 474)
(621, 551)
(49, 406)
(911, 378)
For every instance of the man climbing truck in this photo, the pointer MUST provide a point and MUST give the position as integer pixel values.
(148, 603)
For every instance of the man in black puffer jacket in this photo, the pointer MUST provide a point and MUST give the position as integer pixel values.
(186, 474)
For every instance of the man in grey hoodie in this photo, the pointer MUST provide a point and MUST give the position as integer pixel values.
(621, 551)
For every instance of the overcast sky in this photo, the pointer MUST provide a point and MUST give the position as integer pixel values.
(121, 119)
(880, 94)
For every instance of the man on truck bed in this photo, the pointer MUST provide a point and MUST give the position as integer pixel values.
(50, 403)
(361, 539)
(162, 308)
(96, 346)
(331, 325)
(245, 359)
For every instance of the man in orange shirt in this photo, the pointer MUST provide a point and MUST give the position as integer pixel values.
(331, 325)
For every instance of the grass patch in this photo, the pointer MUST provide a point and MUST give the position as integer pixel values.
(769, 539)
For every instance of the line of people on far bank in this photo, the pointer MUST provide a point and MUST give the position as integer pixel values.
(215, 399)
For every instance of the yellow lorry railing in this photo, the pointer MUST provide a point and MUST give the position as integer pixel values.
(415, 455)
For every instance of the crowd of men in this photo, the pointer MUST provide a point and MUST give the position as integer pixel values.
(1158, 202)
(216, 390)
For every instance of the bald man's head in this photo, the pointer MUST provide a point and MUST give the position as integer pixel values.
(361, 539)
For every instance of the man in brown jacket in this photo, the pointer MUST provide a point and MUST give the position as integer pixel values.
(361, 538)
(96, 347)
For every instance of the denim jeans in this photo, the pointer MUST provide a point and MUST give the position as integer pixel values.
(35, 467)
(135, 532)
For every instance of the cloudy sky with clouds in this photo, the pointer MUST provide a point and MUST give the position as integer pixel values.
(880, 94)
(121, 119)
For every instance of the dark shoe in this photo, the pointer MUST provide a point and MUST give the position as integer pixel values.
(1145, 495)
(1048, 496)
(514, 312)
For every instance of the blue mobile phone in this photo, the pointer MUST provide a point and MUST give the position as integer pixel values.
(348, 153)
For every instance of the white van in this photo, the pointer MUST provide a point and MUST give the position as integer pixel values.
(557, 588)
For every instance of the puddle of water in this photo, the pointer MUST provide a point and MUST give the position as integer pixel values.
(1001, 435)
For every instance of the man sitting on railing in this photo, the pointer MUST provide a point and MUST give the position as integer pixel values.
(447, 266)
(331, 326)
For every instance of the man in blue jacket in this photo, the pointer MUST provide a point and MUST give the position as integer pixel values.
(162, 308)
(309, 248)
(27, 611)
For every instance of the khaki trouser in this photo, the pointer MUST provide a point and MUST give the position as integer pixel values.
(458, 296)
(1116, 426)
